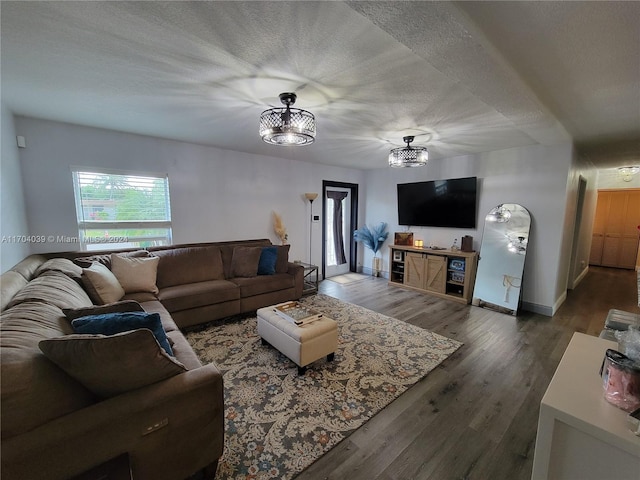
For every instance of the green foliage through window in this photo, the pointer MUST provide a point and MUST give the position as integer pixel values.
(122, 210)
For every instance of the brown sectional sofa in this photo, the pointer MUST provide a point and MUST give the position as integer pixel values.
(53, 426)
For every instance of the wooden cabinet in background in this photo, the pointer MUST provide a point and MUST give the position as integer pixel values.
(614, 241)
(436, 273)
(426, 272)
(443, 273)
(414, 270)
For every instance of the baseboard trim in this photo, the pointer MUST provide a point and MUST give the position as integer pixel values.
(580, 277)
(369, 271)
(559, 302)
(536, 308)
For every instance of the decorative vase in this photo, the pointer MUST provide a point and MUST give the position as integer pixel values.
(376, 266)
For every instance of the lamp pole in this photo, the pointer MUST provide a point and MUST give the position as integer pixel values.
(310, 231)
(311, 197)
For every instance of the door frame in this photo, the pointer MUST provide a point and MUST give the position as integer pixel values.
(353, 194)
(575, 245)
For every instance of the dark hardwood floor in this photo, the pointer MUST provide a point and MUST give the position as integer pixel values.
(475, 416)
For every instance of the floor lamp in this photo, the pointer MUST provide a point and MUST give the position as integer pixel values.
(311, 197)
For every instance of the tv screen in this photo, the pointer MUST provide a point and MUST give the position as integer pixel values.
(438, 203)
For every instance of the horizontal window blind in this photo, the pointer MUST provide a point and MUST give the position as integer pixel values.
(117, 210)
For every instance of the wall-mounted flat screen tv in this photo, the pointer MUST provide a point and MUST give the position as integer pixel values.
(438, 203)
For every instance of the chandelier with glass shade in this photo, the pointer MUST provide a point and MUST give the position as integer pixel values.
(287, 125)
(408, 156)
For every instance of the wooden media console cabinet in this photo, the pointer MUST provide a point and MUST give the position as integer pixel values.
(444, 273)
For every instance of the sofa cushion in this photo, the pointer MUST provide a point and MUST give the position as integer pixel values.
(168, 323)
(135, 274)
(183, 352)
(54, 288)
(226, 249)
(33, 390)
(264, 284)
(105, 258)
(140, 297)
(282, 263)
(11, 283)
(113, 323)
(244, 262)
(184, 297)
(101, 284)
(28, 266)
(121, 306)
(63, 265)
(113, 364)
(267, 262)
(185, 265)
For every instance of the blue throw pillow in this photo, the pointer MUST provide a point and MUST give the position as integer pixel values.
(267, 263)
(112, 323)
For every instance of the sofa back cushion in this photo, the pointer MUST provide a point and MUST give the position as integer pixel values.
(54, 288)
(33, 390)
(244, 262)
(227, 249)
(282, 262)
(179, 266)
(63, 265)
(10, 284)
(105, 258)
(28, 266)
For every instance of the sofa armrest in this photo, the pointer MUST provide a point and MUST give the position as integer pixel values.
(297, 271)
(170, 429)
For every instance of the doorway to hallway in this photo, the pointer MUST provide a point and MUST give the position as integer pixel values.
(340, 207)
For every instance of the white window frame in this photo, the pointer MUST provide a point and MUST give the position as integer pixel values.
(84, 224)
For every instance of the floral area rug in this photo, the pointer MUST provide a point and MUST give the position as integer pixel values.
(276, 422)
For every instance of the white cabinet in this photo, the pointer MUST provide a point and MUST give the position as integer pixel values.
(581, 436)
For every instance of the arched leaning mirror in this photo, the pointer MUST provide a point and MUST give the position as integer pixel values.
(505, 240)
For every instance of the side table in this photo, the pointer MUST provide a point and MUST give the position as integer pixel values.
(310, 278)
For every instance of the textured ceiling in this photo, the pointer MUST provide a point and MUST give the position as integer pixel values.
(463, 77)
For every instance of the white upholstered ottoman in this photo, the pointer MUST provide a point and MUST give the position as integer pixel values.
(304, 344)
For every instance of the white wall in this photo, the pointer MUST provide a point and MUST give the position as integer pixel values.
(215, 194)
(13, 217)
(609, 178)
(534, 177)
(224, 195)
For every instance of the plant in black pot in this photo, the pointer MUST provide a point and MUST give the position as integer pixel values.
(373, 238)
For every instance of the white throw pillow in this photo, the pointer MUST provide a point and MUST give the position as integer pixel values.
(135, 274)
(101, 285)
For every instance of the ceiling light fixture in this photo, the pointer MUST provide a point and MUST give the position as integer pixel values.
(287, 126)
(627, 172)
(408, 156)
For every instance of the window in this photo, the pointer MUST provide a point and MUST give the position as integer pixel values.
(119, 210)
